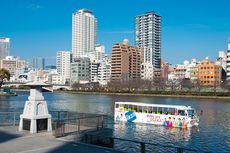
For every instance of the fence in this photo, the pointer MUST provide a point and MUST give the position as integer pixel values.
(84, 122)
(134, 146)
(9, 118)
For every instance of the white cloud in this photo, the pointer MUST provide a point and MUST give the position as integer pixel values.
(34, 6)
(119, 32)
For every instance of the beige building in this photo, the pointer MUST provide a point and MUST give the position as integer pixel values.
(209, 73)
(126, 61)
(12, 64)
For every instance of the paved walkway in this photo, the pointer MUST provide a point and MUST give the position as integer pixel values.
(12, 141)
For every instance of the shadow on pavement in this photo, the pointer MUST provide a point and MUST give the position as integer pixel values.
(5, 136)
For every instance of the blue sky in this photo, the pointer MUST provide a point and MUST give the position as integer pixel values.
(190, 28)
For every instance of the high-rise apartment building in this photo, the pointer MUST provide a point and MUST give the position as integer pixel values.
(120, 62)
(84, 33)
(4, 47)
(37, 63)
(148, 35)
(126, 62)
(228, 63)
(63, 64)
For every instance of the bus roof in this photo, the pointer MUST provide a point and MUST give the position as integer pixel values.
(155, 105)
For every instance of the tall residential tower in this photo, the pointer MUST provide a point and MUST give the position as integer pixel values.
(84, 32)
(4, 47)
(228, 63)
(148, 35)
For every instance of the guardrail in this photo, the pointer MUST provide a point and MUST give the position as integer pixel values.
(9, 118)
(134, 146)
(77, 125)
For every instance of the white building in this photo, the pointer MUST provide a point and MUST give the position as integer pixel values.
(84, 33)
(58, 79)
(63, 64)
(146, 71)
(94, 71)
(228, 63)
(222, 58)
(4, 47)
(104, 72)
(80, 70)
(148, 35)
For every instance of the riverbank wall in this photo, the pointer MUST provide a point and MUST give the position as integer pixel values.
(145, 94)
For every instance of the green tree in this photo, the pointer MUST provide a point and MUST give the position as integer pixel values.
(4, 75)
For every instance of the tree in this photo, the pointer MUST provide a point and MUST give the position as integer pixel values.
(186, 84)
(226, 85)
(4, 75)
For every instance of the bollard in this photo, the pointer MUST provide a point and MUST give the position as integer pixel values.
(79, 124)
(142, 147)
(14, 118)
(179, 150)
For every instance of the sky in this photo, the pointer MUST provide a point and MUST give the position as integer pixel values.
(190, 28)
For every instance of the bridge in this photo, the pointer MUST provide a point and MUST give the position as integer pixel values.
(49, 88)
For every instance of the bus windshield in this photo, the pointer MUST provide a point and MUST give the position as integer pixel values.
(191, 112)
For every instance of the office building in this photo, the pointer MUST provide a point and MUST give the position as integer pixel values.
(4, 47)
(84, 33)
(13, 65)
(148, 35)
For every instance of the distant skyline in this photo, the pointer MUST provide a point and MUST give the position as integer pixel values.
(192, 28)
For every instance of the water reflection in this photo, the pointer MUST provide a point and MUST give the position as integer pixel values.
(155, 134)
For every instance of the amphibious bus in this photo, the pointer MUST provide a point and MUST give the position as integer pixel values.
(166, 115)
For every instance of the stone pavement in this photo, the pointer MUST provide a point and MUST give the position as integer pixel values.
(12, 141)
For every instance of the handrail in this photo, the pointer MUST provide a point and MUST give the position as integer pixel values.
(143, 144)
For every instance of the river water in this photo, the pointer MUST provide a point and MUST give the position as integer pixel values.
(213, 133)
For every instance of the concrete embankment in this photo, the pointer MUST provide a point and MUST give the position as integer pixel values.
(149, 95)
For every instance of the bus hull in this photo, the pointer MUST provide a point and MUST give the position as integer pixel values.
(157, 119)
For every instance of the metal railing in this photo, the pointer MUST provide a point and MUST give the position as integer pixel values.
(85, 122)
(126, 145)
(9, 118)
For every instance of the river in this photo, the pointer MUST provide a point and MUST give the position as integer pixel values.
(213, 133)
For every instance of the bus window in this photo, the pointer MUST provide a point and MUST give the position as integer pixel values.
(171, 111)
(139, 109)
(150, 109)
(181, 112)
(126, 107)
(135, 108)
(117, 105)
(155, 110)
(145, 109)
(159, 110)
(165, 111)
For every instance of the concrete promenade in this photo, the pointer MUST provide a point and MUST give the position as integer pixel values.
(12, 141)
